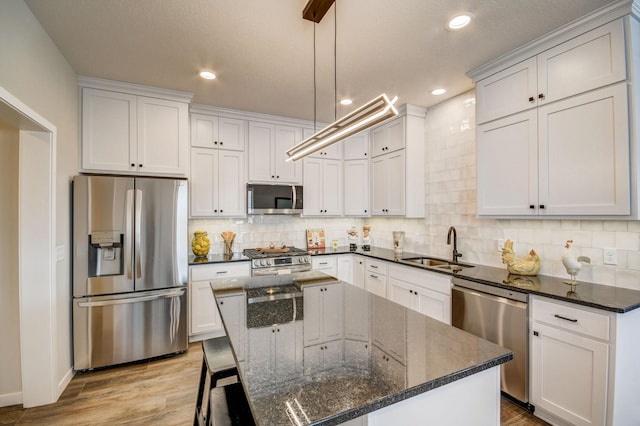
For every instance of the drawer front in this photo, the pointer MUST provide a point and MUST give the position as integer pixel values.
(571, 318)
(425, 279)
(323, 262)
(375, 266)
(220, 270)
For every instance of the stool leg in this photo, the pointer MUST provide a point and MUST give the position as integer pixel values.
(203, 377)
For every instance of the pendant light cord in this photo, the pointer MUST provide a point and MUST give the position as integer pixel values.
(315, 100)
(335, 60)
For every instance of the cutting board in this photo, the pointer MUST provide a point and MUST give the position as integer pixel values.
(273, 250)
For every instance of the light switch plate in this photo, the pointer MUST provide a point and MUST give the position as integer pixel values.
(59, 253)
(610, 256)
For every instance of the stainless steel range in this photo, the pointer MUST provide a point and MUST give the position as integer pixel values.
(275, 261)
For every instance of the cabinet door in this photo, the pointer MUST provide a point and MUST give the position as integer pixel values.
(378, 186)
(589, 61)
(433, 304)
(261, 146)
(402, 293)
(389, 332)
(395, 183)
(233, 307)
(285, 138)
(332, 187)
(333, 354)
(356, 188)
(332, 311)
(507, 92)
(204, 130)
(507, 166)
(356, 314)
(357, 354)
(204, 315)
(202, 184)
(326, 264)
(569, 375)
(356, 147)
(287, 350)
(163, 136)
(231, 133)
(231, 183)
(312, 186)
(358, 272)
(109, 134)
(376, 284)
(261, 351)
(584, 154)
(345, 268)
(395, 135)
(378, 138)
(312, 303)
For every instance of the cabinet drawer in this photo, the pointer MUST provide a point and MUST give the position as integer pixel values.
(571, 318)
(425, 279)
(323, 262)
(220, 270)
(375, 266)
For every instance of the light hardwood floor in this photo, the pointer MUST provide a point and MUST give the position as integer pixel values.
(158, 392)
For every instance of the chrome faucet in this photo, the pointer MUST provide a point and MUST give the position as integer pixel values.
(455, 254)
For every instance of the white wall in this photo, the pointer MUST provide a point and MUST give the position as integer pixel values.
(450, 174)
(33, 70)
(9, 336)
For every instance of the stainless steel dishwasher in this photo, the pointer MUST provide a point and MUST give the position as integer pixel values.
(500, 316)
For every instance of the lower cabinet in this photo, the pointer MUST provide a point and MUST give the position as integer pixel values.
(276, 352)
(323, 356)
(326, 264)
(323, 309)
(233, 306)
(204, 318)
(358, 271)
(569, 362)
(423, 291)
(375, 280)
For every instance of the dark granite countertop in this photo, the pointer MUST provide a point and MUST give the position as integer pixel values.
(599, 296)
(382, 353)
(217, 258)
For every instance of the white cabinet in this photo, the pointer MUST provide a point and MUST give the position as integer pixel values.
(359, 271)
(356, 188)
(323, 313)
(375, 280)
(396, 169)
(125, 132)
(423, 291)
(345, 268)
(569, 157)
(276, 352)
(591, 60)
(268, 145)
(388, 137)
(332, 152)
(217, 183)
(323, 356)
(356, 147)
(326, 264)
(388, 332)
(554, 133)
(232, 306)
(209, 131)
(569, 362)
(388, 184)
(322, 186)
(204, 317)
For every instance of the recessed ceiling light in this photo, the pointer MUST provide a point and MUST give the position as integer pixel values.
(438, 92)
(207, 75)
(346, 102)
(459, 21)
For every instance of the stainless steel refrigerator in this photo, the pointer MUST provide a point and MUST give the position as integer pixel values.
(129, 269)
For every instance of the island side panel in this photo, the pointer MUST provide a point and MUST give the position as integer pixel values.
(472, 400)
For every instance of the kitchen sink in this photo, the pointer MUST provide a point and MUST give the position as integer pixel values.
(429, 262)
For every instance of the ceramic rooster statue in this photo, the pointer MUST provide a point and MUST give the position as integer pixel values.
(528, 265)
(571, 263)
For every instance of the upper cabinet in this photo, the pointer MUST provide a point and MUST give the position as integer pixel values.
(397, 165)
(133, 129)
(554, 135)
(268, 146)
(209, 131)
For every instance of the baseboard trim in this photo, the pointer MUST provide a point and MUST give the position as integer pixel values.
(64, 382)
(9, 399)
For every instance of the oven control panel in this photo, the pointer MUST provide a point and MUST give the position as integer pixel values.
(284, 262)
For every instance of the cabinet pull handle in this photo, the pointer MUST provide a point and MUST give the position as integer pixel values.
(373, 276)
(565, 318)
(374, 266)
(323, 263)
(535, 333)
(541, 96)
(221, 272)
(532, 99)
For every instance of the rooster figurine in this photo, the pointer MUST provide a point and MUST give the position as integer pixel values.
(528, 265)
(571, 263)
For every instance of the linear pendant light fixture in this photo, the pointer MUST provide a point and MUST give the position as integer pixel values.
(370, 114)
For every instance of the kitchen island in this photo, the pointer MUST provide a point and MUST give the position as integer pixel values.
(353, 357)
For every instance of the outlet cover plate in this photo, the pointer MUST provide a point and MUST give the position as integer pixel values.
(610, 256)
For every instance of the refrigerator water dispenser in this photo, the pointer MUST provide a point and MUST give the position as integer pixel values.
(105, 254)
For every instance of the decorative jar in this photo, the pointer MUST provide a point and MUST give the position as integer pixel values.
(200, 243)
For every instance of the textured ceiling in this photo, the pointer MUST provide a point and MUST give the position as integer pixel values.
(262, 50)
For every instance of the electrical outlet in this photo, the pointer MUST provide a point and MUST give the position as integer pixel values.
(610, 256)
(501, 244)
(59, 253)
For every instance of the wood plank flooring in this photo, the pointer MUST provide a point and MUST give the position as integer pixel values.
(158, 392)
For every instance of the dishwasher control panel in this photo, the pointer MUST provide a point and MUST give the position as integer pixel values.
(489, 289)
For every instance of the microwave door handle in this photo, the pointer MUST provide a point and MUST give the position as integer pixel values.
(128, 233)
(295, 201)
(138, 232)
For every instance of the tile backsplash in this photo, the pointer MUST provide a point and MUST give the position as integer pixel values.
(450, 176)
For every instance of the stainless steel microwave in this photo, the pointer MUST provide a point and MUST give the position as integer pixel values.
(274, 199)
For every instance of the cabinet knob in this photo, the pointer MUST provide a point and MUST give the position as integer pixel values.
(221, 143)
(365, 154)
(277, 177)
(215, 211)
(531, 206)
(215, 142)
(222, 302)
(532, 99)
(139, 165)
(541, 96)
(542, 206)
(221, 210)
(365, 210)
(133, 165)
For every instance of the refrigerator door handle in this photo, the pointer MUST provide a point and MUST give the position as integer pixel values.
(138, 232)
(110, 302)
(128, 233)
